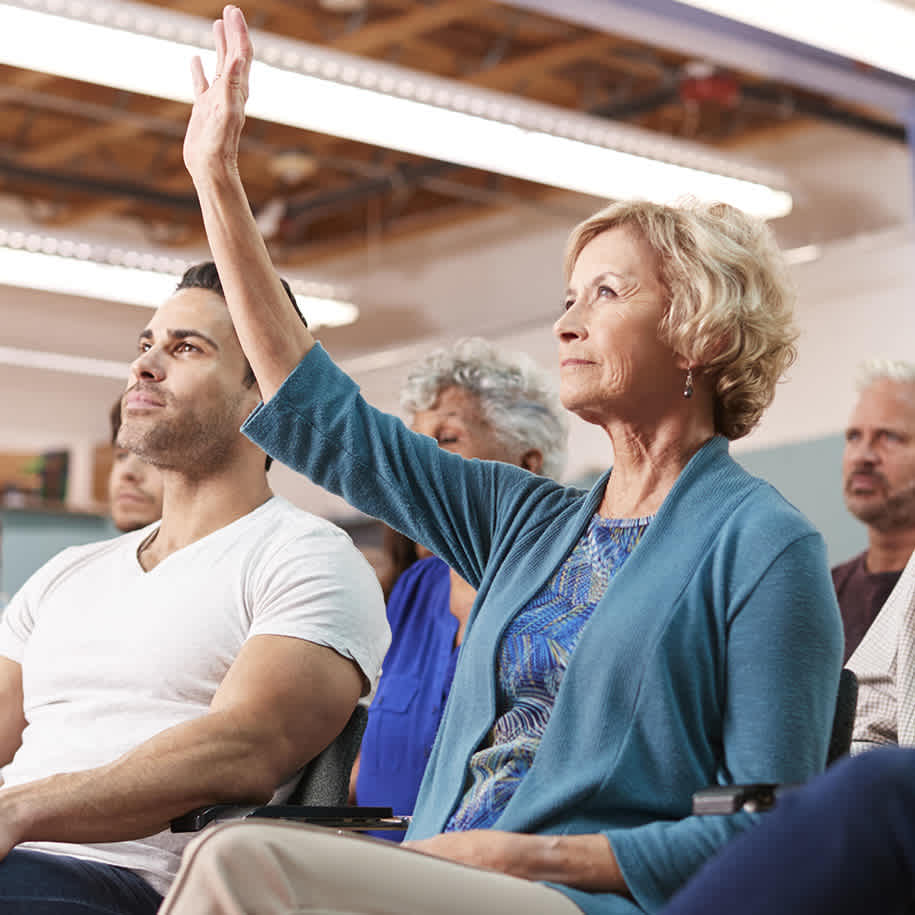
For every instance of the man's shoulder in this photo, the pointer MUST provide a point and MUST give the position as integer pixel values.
(83, 554)
(280, 533)
(76, 563)
(282, 520)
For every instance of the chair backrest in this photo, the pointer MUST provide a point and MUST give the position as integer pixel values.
(325, 780)
(843, 722)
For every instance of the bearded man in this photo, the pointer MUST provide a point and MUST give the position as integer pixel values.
(198, 660)
(878, 471)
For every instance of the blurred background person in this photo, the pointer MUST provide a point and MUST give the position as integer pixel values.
(479, 402)
(134, 487)
(878, 483)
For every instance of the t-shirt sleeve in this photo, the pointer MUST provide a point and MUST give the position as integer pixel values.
(320, 588)
(18, 619)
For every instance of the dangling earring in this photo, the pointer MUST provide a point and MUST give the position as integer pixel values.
(688, 386)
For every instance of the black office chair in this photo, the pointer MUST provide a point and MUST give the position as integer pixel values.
(319, 796)
(760, 796)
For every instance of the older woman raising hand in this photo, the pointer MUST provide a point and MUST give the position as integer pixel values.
(673, 627)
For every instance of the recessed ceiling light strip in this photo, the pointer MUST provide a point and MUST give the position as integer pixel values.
(61, 362)
(147, 49)
(71, 267)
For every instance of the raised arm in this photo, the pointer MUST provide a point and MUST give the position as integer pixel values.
(282, 701)
(271, 334)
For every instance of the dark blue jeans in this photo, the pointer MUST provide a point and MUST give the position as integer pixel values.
(36, 883)
(843, 844)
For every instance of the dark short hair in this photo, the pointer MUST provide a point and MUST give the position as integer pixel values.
(205, 276)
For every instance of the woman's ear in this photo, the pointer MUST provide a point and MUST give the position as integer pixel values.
(532, 460)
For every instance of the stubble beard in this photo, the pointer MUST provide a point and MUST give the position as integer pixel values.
(896, 511)
(196, 446)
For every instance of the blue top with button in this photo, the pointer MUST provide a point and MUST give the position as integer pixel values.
(414, 685)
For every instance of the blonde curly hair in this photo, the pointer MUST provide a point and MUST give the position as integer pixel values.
(731, 309)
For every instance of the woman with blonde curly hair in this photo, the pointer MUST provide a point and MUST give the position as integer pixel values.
(673, 627)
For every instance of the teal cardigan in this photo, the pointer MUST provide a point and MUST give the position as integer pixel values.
(713, 657)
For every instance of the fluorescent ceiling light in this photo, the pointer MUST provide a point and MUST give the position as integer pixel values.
(876, 32)
(147, 50)
(70, 267)
(60, 362)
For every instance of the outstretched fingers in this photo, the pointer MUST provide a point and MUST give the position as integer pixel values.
(239, 50)
(219, 41)
(198, 80)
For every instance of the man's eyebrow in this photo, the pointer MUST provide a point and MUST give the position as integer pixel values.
(182, 333)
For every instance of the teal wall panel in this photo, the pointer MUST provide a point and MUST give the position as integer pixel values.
(809, 475)
(30, 538)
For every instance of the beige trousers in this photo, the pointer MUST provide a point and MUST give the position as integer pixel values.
(259, 868)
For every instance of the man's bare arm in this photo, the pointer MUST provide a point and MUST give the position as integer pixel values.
(271, 334)
(282, 701)
(12, 718)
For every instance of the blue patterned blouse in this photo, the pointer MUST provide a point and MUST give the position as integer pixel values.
(533, 657)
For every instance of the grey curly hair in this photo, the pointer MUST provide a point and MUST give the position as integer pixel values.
(731, 310)
(515, 394)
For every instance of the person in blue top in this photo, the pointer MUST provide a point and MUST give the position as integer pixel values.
(672, 627)
(479, 402)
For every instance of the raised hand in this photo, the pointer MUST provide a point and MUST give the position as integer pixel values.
(218, 115)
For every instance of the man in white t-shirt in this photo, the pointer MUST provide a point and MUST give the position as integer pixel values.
(200, 660)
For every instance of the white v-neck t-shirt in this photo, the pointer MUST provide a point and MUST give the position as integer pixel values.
(111, 654)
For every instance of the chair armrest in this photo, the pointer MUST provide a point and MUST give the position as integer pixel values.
(354, 818)
(197, 819)
(727, 799)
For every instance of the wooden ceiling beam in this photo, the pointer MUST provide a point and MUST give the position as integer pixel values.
(91, 138)
(398, 29)
(115, 206)
(28, 79)
(533, 66)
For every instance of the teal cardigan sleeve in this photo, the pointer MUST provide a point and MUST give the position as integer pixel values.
(455, 507)
(786, 632)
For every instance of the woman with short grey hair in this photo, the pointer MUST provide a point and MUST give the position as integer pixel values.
(517, 398)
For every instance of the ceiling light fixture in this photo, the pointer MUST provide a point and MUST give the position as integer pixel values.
(147, 50)
(876, 32)
(62, 362)
(72, 267)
